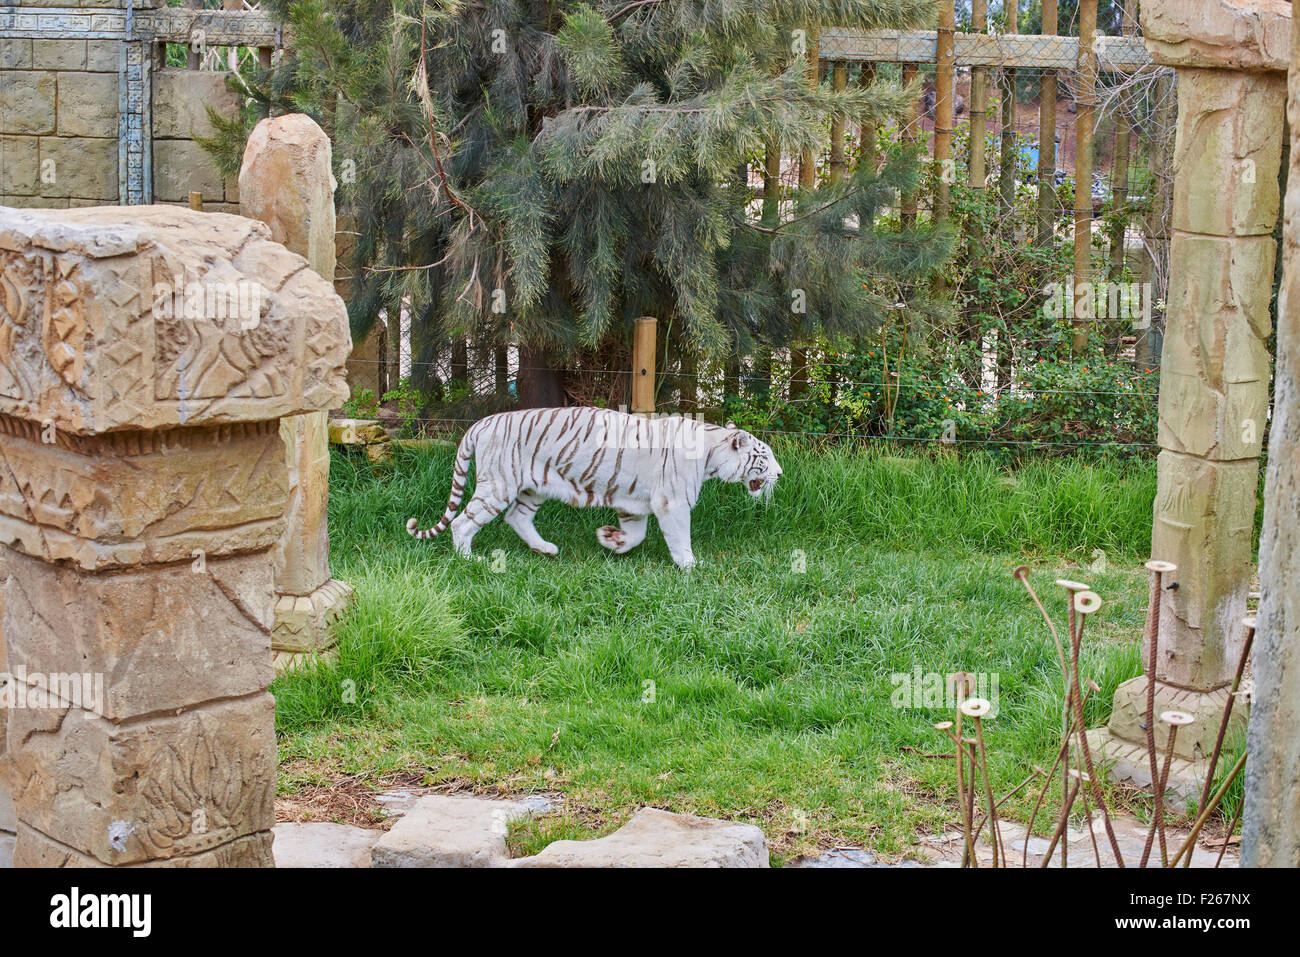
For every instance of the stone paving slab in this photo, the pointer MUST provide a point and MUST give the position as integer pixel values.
(655, 838)
(469, 831)
(323, 844)
(448, 831)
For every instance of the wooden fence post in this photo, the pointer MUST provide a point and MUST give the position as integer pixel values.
(807, 159)
(1007, 174)
(771, 183)
(1119, 174)
(644, 334)
(1085, 85)
(1155, 226)
(196, 200)
(1047, 139)
(867, 132)
(839, 81)
(909, 135)
(807, 183)
(979, 102)
(945, 68)
(193, 59)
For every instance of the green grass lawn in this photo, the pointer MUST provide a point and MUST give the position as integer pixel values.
(758, 686)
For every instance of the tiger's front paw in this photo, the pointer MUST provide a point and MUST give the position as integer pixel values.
(611, 537)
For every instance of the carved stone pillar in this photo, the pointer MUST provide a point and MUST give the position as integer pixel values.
(285, 182)
(1231, 57)
(147, 355)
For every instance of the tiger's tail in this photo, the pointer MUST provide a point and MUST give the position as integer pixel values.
(463, 456)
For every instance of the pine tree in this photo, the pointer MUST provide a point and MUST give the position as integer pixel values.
(543, 173)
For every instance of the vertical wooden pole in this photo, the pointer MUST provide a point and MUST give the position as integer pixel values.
(1155, 265)
(460, 360)
(689, 400)
(979, 102)
(193, 58)
(1085, 117)
(771, 183)
(867, 133)
(1047, 139)
(1007, 174)
(501, 370)
(1008, 163)
(232, 55)
(731, 377)
(807, 159)
(910, 134)
(946, 64)
(977, 175)
(807, 183)
(264, 60)
(196, 200)
(664, 379)
(839, 80)
(644, 333)
(1119, 171)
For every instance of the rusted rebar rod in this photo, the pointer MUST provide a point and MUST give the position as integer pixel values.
(1060, 824)
(977, 708)
(1227, 838)
(1249, 622)
(959, 744)
(1175, 720)
(1206, 811)
(1151, 639)
(979, 828)
(1233, 690)
(1087, 602)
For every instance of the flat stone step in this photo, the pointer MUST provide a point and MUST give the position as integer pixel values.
(323, 844)
(655, 838)
(447, 831)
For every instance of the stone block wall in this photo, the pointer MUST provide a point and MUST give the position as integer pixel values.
(58, 122)
(67, 87)
(180, 98)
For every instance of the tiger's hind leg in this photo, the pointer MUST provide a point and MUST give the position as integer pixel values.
(628, 536)
(520, 517)
(481, 509)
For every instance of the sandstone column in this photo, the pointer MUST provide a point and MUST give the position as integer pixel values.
(147, 355)
(285, 182)
(1231, 57)
(1271, 832)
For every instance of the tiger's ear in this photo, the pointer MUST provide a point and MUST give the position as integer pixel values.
(740, 440)
(731, 425)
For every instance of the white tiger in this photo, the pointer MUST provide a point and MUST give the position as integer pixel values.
(598, 457)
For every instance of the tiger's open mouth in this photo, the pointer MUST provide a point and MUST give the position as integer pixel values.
(755, 485)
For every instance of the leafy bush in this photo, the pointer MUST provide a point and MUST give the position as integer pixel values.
(361, 405)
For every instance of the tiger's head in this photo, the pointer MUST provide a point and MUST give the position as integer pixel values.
(750, 461)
